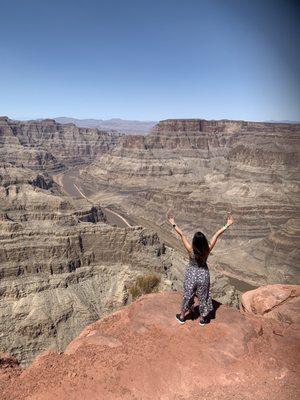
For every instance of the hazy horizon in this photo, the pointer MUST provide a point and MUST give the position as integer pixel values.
(148, 121)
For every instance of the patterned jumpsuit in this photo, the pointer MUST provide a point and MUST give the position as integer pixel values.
(197, 282)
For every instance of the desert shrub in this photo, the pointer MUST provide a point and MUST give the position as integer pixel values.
(143, 285)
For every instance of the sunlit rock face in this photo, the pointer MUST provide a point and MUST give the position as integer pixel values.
(49, 145)
(280, 302)
(204, 168)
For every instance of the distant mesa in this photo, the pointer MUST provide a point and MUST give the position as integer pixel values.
(219, 126)
(284, 121)
(118, 124)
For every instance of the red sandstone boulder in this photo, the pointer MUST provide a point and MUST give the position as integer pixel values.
(281, 302)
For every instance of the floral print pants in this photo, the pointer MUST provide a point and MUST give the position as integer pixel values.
(197, 283)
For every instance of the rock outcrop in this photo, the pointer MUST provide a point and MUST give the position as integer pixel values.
(222, 126)
(141, 352)
(49, 145)
(281, 302)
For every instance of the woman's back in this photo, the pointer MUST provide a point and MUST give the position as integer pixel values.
(196, 262)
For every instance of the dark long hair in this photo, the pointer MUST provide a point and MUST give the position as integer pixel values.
(200, 247)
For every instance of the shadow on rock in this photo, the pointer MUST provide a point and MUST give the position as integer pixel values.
(194, 314)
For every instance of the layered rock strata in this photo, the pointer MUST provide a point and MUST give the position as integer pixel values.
(202, 169)
(49, 145)
(62, 267)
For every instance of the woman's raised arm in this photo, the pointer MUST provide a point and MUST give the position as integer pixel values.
(215, 237)
(184, 239)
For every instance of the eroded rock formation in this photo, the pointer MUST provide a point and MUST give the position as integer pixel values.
(49, 145)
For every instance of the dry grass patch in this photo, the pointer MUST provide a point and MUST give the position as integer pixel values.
(143, 285)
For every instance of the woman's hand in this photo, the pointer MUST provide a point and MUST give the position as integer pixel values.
(229, 219)
(170, 217)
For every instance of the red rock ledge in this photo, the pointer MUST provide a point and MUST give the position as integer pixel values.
(141, 352)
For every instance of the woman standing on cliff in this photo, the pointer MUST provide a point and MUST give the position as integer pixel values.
(197, 276)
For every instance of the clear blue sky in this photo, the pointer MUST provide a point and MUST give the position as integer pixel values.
(139, 59)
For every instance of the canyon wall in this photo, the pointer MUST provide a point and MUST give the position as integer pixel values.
(202, 169)
(62, 267)
(49, 145)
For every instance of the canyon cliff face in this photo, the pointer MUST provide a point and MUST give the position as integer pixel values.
(141, 352)
(49, 145)
(202, 169)
(62, 267)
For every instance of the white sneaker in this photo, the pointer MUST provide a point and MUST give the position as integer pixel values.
(179, 319)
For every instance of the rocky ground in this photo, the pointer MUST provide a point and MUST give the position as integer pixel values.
(141, 352)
